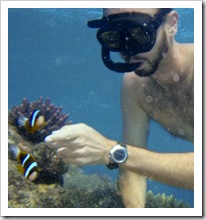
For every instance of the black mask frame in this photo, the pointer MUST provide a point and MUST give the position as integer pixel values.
(122, 23)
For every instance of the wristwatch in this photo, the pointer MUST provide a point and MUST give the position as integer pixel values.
(117, 155)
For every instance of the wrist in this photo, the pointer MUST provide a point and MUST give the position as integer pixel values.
(109, 145)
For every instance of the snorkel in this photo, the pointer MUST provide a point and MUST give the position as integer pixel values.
(127, 33)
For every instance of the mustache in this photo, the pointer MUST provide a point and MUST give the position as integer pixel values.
(134, 59)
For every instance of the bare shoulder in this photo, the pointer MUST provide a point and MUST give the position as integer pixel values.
(132, 84)
(132, 94)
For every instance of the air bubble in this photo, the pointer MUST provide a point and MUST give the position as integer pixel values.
(176, 77)
(118, 193)
(59, 61)
(181, 131)
(164, 54)
(149, 99)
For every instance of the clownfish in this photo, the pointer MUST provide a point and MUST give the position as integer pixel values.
(35, 122)
(28, 167)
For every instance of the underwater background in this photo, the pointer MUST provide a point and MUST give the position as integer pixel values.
(52, 53)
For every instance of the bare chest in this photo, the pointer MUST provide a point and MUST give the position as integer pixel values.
(174, 109)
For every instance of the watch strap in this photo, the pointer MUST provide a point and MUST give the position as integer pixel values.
(112, 166)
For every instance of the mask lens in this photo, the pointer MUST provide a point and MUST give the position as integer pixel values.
(140, 35)
(130, 41)
(110, 39)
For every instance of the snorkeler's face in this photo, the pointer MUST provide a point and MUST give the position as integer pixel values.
(148, 62)
(129, 33)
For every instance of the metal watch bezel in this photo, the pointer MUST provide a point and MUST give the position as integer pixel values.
(114, 150)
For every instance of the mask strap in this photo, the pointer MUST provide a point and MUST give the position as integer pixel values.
(160, 16)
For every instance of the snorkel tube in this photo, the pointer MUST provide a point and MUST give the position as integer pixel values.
(118, 67)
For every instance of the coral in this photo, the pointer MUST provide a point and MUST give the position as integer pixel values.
(25, 194)
(91, 191)
(163, 201)
(52, 113)
(66, 186)
(51, 168)
(80, 191)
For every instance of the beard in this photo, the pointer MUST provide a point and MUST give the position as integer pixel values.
(153, 63)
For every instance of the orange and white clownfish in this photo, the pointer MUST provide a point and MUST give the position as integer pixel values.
(35, 122)
(28, 167)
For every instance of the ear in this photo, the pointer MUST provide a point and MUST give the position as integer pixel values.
(172, 23)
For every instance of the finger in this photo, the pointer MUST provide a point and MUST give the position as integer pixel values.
(58, 144)
(72, 157)
(61, 135)
(61, 152)
(67, 152)
(55, 137)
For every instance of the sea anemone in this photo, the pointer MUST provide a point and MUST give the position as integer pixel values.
(52, 114)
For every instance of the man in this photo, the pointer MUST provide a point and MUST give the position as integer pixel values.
(158, 85)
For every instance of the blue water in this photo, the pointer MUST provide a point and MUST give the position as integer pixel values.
(53, 54)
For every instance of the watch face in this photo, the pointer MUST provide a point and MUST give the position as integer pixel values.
(119, 155)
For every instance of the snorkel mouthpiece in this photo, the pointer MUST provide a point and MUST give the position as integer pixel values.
(117, 67)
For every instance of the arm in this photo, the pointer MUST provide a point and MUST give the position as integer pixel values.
(175, 169)
(82, 145)
(75, 146)
(135, 128)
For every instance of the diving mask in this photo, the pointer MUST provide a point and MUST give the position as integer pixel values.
(127, 33)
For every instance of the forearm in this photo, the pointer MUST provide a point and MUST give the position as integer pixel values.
(75, 146)
(176, 169)
(133, 187)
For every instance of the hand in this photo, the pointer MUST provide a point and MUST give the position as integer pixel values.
(80, 145)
